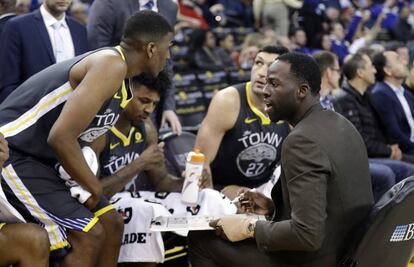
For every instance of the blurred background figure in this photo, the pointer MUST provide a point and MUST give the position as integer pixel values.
(204, 51)
(7, 11)
(79, 11)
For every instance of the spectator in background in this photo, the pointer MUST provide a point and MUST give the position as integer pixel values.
(190, 15)
(330, 74)
(79, 11)
(237, 13)
(403, 53)
(251, 45)
(105, 26)
(338, 44)
(298, 40)
(323, 42)
(355, 104)
(22, 7)
(409, 81)
(37, 40)
(226, 50)
(364, 36)
(395, 106)
(402, 30)
(273, 14)
(7, 11)
(204, 51)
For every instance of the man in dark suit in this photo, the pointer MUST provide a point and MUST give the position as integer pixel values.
(324, 190)
(7, 11)
(105, 24)
(394, 104)
(29, 43)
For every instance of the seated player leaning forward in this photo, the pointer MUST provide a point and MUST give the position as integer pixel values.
(324, 191)
(241, 144)
(44, 121)
(129, 148)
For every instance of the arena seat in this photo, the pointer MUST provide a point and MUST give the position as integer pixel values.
(387, 239)
(211, 82)
(189, 99)
(176, 149)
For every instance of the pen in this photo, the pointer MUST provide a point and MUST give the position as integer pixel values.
(237, 199)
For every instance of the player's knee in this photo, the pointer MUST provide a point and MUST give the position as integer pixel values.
(96, 235)
(37, 240)
(118, 223)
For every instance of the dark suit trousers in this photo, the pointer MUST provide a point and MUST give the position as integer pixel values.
(208, 250)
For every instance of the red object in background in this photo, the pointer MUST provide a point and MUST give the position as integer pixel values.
(191, 13)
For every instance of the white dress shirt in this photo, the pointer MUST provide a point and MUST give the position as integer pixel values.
(67, 50)
(399, 92)
(142, 4)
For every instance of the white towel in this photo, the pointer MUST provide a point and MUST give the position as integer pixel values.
(76, 191)
(141, 208)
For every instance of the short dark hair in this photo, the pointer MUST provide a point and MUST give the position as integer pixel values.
(325, 60)
(352, 64)
(274, 49)
(158, 84)
(146, 26)
(379, 61)
(304, 68)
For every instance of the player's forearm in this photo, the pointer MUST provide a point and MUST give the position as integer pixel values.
(71, 158)
(116, 182)
(169, 184)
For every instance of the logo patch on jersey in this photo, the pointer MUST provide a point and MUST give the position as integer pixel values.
(249, 120)
(112, 146)
(138, 137)
(254, 160)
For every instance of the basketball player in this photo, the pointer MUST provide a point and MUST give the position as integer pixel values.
(45, 119)
(241, 144)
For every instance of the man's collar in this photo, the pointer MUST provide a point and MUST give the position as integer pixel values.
(49, 19)
(7, 15)
(395, 89)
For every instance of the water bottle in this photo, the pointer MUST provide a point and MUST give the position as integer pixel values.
(193, 172)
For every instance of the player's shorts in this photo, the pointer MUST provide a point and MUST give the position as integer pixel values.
(1, 225)
(41, 196)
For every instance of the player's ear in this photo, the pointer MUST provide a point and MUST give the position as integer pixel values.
(151, 49)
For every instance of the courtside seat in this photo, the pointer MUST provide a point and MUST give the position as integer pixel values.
(387, 240)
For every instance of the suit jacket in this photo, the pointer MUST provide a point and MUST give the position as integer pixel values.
(392, 115)
(107, 19)
(4, 19)
(106, 24)
(324, 192)
(25, 49)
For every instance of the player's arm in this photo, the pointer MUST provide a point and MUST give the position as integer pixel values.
(160, 178)
(151, 158)
(79, 111)
(221, 117)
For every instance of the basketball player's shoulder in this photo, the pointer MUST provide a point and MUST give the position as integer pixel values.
(227, 98)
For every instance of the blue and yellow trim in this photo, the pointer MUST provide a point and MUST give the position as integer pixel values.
(124, 92)
(126, 140)
(264, 119)
(104, 210)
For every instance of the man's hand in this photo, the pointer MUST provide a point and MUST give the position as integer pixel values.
(152, 157)
(255, 202)
(205, 181)
(234, 228)
(4, 150)
(169, 116)
(396, 153)
(232, 191)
